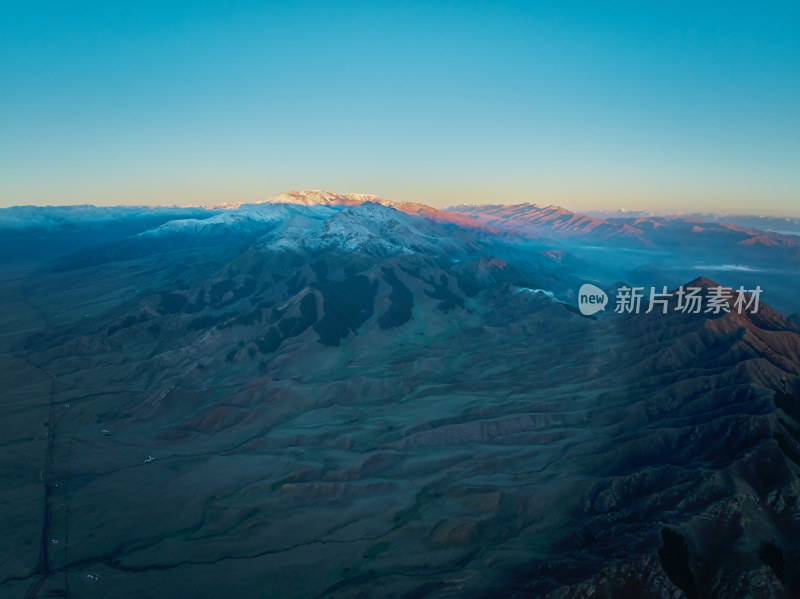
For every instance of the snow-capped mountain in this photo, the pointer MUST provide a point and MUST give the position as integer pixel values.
(312, 197)
(316, 197)
(245, 219)
(315, 220)
(312, 221)
(369, 227)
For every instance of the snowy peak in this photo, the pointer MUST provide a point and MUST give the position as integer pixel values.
(368, 227)
(328, 198)
(317, 221)
(313, 197)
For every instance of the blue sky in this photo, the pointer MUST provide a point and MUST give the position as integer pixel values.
(668, 105)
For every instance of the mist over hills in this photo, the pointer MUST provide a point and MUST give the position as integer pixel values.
(787, 225)
(41, 233)
(330, 395)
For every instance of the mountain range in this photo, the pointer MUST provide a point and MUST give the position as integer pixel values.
(337, 395)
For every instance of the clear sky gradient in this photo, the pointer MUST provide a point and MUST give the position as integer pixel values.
(591, 105)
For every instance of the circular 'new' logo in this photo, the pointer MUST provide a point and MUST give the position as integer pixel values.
(591, 299)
